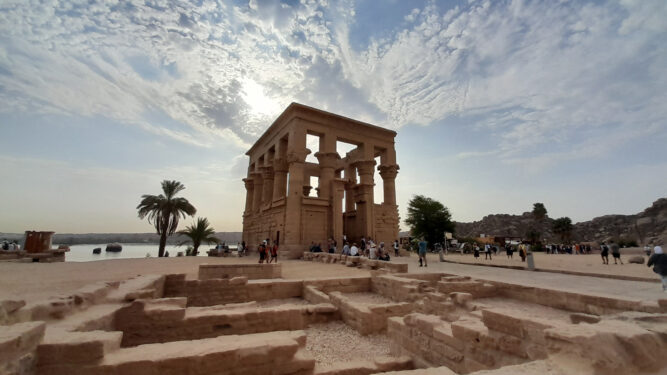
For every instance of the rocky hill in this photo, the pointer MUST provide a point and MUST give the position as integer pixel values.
(648, 226)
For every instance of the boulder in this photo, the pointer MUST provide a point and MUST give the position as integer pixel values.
(636, 259)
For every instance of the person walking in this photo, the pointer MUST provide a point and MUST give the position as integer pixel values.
(604, 253)
(522, 252)
(487, 252)
(659, 262)
(274, 253)
(422, 253)
(396, 248)
(615, 251)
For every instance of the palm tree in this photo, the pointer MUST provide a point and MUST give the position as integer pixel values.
(563, 227)
(164, 210)
(198, 233)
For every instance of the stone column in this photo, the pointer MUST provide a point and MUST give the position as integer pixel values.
(327, 161)
(267, 188)
(257, 191)
(349, 188)
(296, 157)
(364, 196)
(388, 174)
(280, 168)
(338, 186)
(248, 195)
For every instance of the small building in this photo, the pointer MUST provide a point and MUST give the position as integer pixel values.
(279, 205)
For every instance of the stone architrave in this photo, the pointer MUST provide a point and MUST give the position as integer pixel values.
(278, 205)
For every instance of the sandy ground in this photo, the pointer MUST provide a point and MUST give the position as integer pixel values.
(35, 281)
(336, 342)
(606, 287)
(590, 263)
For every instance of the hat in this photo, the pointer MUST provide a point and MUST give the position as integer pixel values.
(657, 250)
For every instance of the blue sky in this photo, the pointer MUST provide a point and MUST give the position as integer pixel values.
(497, 104)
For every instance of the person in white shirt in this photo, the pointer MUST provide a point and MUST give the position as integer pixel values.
(354, 250)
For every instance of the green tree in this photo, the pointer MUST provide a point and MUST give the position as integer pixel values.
(164, 210)
(199, 232)
(563, 228)
(429, 219)
(539, 211)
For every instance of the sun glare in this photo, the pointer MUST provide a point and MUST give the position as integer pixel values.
(259, 103)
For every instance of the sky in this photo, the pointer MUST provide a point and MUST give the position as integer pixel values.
(497, 104)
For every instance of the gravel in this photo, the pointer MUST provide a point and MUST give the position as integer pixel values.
(334, 342)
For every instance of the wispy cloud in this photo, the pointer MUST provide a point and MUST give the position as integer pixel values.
(528, 73)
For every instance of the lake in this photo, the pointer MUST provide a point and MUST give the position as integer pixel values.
(84, 253)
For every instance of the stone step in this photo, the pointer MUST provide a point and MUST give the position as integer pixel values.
(60, 347)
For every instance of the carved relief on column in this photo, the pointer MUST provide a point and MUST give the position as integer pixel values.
(249, 186)
(388, 174)
(366, 169)
(327, 162)
(297, 156)
(257, 190)
(267, 188)
(280, 168)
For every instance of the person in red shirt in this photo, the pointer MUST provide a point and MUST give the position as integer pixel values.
(274, 252)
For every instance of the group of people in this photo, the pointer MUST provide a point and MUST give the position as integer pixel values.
(366, 248)
(265, 249)
(10, 245)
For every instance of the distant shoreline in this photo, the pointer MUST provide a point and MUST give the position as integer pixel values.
(123, 238)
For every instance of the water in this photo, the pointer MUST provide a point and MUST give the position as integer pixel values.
(84, 253)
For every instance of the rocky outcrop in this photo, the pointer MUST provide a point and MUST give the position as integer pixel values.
(648, 226)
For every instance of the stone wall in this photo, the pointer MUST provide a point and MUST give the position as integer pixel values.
(355, 261)
(279, 353)
(156, 321)
(251, 271)
(367, 318)
(235, 290)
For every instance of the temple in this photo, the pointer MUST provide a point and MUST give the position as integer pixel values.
(280, 203)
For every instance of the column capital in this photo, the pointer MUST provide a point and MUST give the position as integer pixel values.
(388, 172)
(297, 156)
(249, 183)
(280, 165)
(327, 159)
(267, 173)
(365, 166)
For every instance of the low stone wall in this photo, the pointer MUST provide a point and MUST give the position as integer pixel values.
(367, 318)
(147, 322)
(356, 261)
(18, 343)
(251, 271)
(224, 291)
(576, 302)
(279, 353)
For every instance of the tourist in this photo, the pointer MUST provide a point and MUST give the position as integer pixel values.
(523, 252)
(372, 250)
(647, 250)
(330, 246)
(274, 253)
(659, 262)
(261, 249)
(615, 251)
(312, 246)
(396, 247)
(487, 252)
(422, 253)
(604, 253)
(476, 251)
(354, 250)
(383, 254)
(363, 246)
(509, 250)
(346, 248)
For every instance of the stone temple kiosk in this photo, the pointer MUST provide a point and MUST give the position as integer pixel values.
(279, 204)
